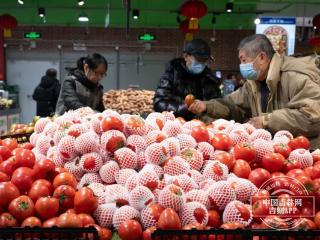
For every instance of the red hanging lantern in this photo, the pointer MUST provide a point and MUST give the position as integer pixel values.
(316, 21)
(7, 23)
(193, 9)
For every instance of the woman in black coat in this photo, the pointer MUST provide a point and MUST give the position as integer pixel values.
(46, 94)
(81, 87)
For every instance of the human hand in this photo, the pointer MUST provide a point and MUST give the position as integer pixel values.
(197, 107)
(257, 122)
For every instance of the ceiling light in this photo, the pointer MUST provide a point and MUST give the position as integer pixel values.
(83, 17)
(21, 2)
(41, 12)
(135, 14)
(229, 7)
(80, 2)
(257, 21)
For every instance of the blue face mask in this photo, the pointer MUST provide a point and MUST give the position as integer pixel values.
(196, 67)
(248, 72)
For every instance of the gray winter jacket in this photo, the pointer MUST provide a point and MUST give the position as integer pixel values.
(77, 91)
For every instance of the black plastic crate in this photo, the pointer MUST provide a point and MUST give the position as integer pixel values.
(48, 233)
(238, 234)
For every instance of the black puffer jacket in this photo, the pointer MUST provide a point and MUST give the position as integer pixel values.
(178, 82)
(46, 95)
(77, 91)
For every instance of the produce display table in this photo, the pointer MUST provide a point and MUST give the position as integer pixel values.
(8, 117)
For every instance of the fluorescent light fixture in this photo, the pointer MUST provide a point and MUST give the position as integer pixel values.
(135, 14)
(257, 21)
(80, 2)
(41, 12)
(83, 17)
(229, 7)
(21, 2)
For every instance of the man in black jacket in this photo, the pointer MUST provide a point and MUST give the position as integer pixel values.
(187, 75)
(46, 93)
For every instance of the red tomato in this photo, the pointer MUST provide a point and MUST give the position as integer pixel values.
(44, 169)
(317, 219)
(65, 194)
(60, 170)
(50, 222)
(225, 158)
(273, 162)
(305, 224)
(244, 151)
(27, 145)
(307, 210)
(299, 142)
(258, 176)
(200, 134)
(8, 166)
(22, 177)
(103, 233)
(197, 226)
(275, 222)
(47, 207)
(155, 210)
(114, 143)
(45, 183)
(86, 219)
(111, 123)
(11, 143)
(308, 171)
(4, 177)
(8, 192)
(295, 172)
(316, 157)
(306, 182)
(241, 168)
(260, 209)
(21, 207)
(243, 210)
(292, 164)
(169, 219)
(231, 226)
(277, 174)
(65, 178)
(31, 222)
(7, 220)
(38, 190)
(24, 157)
(315, 172)
(262, 194)
(85, 201)
(283, 149)
(221, 141)
(5, 152)
(135, 122)
(146, 235)
(214, 219)
(69, 220)
(189, 99)
(130, 230)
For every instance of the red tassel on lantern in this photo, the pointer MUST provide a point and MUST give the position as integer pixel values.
(7, 23)
(185, 27)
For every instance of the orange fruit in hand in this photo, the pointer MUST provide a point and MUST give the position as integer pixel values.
(189, 99)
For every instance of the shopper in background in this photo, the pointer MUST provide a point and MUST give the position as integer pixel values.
(229, 84)
(81, 87)
(46, 93)
(187, 75)
(281, 93)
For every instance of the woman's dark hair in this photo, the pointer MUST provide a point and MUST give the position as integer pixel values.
(51, 72)
(93, 62)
